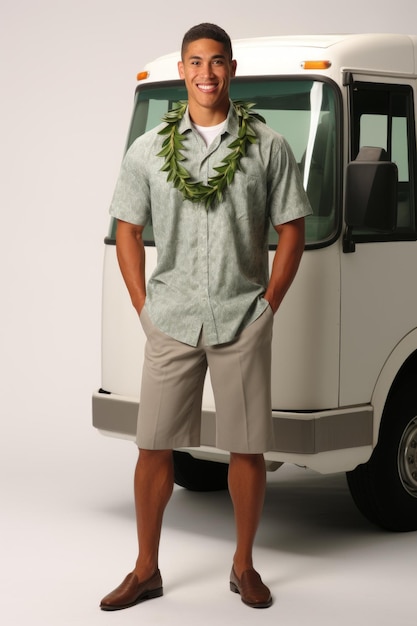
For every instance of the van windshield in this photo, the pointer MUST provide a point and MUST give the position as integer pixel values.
(304, 111)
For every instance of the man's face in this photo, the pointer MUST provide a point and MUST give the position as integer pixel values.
(207, 70)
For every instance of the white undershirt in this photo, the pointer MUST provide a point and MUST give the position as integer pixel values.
(209, 133)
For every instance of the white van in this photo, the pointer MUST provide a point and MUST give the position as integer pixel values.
(344, 378)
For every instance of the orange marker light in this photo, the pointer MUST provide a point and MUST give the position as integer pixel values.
(316, 65)
(142, 75)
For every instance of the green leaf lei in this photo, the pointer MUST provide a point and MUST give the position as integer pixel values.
(180, 177)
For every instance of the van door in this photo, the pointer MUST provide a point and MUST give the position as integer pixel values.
(378, 305)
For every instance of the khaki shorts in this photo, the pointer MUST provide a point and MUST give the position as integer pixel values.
(172, 387)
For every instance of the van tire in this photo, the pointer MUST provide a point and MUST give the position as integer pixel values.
(385, 488)
(199, 474)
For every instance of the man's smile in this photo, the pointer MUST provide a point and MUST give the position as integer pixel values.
(207, 87)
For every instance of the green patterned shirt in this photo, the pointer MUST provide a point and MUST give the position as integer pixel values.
(212, 268)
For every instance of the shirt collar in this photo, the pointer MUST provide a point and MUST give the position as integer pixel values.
(231, 126)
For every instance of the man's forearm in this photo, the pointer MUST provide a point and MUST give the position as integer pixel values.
(131, 258)
(286, 261)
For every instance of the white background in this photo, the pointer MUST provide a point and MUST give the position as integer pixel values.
(67, 72)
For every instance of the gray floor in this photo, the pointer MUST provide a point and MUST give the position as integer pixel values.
(68, 537)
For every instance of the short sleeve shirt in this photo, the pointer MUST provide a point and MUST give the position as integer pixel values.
(212, 263)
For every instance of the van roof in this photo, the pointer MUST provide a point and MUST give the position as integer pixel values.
(260, 56)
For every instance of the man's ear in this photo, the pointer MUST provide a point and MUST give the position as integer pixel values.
(181, 69)
(234, 66)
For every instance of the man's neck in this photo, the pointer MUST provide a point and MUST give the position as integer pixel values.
(208, 117)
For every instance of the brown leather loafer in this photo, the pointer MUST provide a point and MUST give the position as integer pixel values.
(131, 592)
(251, 588)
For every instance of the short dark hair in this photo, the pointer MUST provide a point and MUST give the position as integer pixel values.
(207, 31)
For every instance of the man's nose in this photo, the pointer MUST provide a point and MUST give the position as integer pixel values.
(207, 69)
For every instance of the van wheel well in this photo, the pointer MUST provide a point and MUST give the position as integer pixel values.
(405, 375)
(385, 488)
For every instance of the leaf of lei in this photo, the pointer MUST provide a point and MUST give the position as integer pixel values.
(172, 145)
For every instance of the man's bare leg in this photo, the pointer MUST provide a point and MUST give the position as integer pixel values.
(154, 481)
(247, 482)
(153, 485)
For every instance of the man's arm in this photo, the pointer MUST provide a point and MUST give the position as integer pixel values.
(131, 257)
(286, 261)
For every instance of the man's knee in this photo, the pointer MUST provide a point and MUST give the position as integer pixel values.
(155, 458)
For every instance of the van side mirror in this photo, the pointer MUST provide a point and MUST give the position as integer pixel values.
(370, 195)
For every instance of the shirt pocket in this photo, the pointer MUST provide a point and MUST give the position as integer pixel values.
(248, 198)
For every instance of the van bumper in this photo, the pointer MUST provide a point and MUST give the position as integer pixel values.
(327, 441)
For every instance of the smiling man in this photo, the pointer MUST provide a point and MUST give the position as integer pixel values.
(210, 301)
(207, 68)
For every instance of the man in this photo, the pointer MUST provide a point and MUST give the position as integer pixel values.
(210, 301)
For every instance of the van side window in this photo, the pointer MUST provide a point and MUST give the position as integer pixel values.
(383, 117)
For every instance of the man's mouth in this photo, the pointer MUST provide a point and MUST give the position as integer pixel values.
(207, 88)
